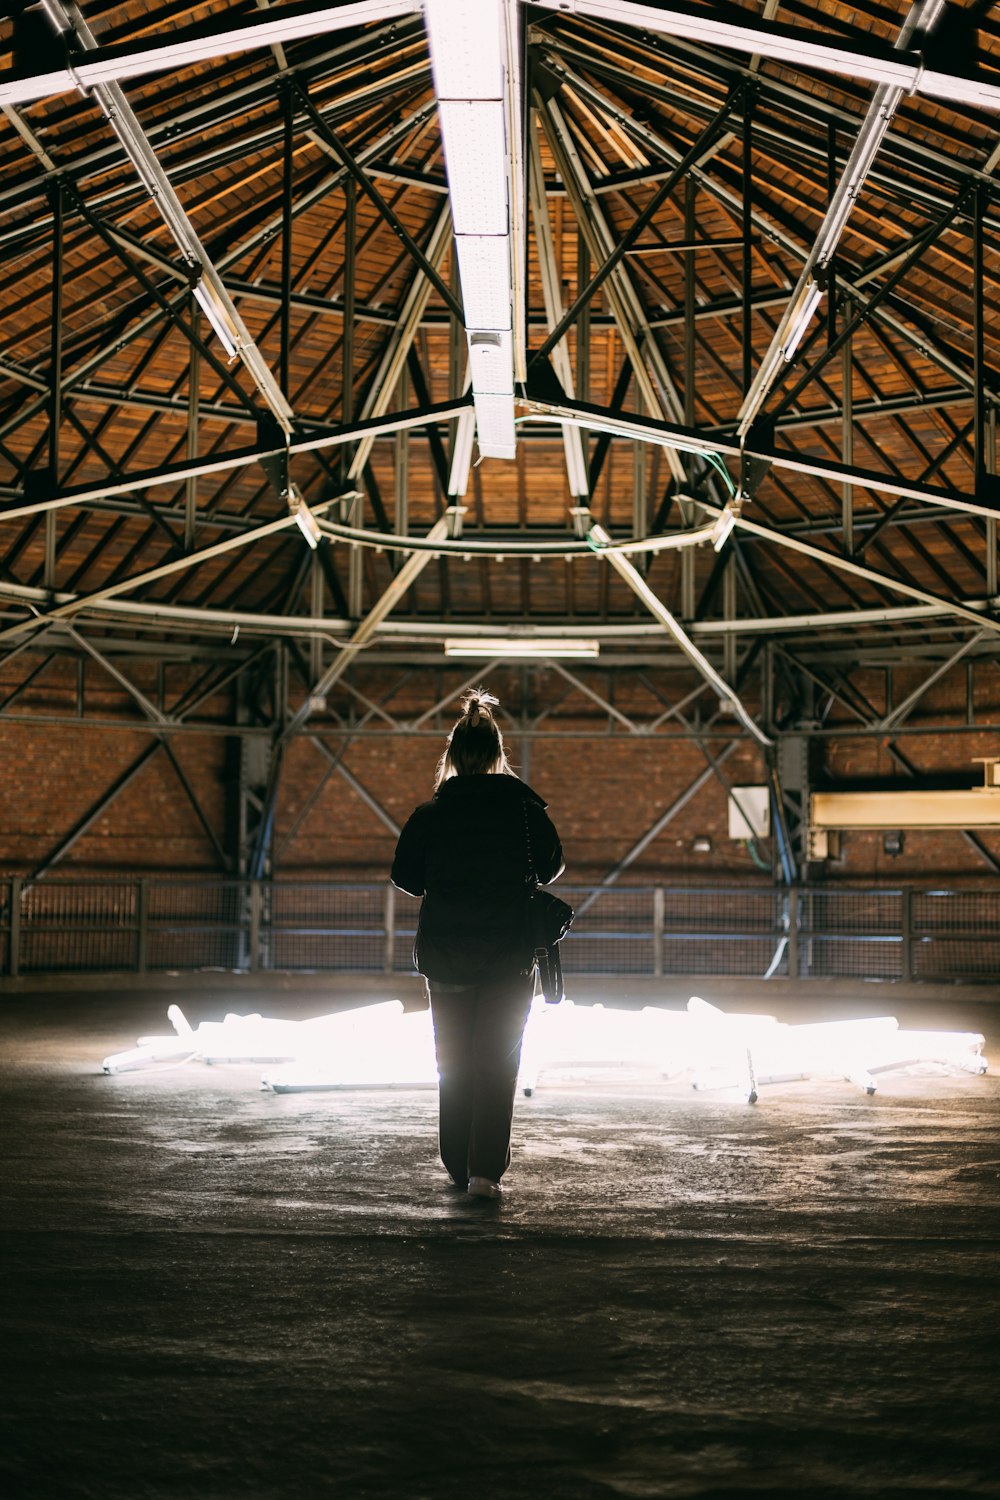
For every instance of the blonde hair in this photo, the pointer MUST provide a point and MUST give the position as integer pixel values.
(475, 744)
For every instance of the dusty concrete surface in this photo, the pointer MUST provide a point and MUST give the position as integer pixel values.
(214, 1292)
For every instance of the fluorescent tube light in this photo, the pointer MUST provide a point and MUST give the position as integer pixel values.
(466, 50)
(304, 518)
(214, 315)
(484, 266)
(475, 156)
(461, 453)
(491, 360)
(722, 528)
(535, 646)
(495, 426)
(800, 322)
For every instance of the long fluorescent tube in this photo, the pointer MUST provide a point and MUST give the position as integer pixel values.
(214, 316)
(304, 518)
(801, 320)
(475, 77)
(484, 267)
(475, 150)
(495, 426)
(535, 646)
(722, 528)
(491, 360)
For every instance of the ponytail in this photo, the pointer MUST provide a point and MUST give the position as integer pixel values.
(475, 745)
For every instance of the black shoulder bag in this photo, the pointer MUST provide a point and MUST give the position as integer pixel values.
(549, 920)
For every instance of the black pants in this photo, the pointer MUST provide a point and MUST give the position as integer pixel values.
(477, 1034)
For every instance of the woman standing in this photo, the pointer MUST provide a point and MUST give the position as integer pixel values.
(468, 853)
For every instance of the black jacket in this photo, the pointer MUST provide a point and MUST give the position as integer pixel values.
(466, 853)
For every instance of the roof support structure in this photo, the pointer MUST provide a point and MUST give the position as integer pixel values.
(91, 67)
(813, 278)
(796, 48)
(659, 611)
(576, 466)
(475, 53)
(920, 339)
(206, 282)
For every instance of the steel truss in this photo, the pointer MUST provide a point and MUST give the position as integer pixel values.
(768, 667)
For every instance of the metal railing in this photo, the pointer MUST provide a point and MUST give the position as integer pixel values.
(149, 925)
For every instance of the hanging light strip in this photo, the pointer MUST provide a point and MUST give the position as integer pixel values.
(476, 83)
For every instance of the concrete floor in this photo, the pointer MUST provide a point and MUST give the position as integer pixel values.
(213, 1292)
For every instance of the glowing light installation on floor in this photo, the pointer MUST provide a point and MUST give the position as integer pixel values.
(381, 1046)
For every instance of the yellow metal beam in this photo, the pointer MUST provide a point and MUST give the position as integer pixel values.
(977, 808)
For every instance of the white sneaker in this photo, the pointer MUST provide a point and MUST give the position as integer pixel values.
(484, 1187)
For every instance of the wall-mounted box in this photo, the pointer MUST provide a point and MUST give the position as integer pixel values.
(749, 812)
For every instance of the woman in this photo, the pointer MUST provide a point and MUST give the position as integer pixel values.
(468, 853)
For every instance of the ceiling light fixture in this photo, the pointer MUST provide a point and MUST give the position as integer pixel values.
(475, 77)
(214, 314)
(528, 646)
(304, 518)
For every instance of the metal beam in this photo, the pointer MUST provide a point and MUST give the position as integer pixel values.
(365, 431)
(394, 356)
(658, 609)
(600, 240)
(673, 435)
(650, 139)
(902, 710)
(796, 48)
(812, 283)
(658, 826)
(407, 574)
(209, 288)
(576, 467)
(91, 67)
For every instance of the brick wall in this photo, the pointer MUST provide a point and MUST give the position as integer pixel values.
(604, 791)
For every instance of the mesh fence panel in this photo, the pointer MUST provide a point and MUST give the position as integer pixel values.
(721, 954)
(324, 926)
(851, 957)
(407, 911)
(74, 927)
(950, 958)
(851, 911)
(77, 952)
(956, 911)
(725, 909)
(197, 924)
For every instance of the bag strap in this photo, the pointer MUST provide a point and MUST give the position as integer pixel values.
(532, 875)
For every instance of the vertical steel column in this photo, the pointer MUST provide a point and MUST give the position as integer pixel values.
(253, 955)
(847, 443)
(142, 926)
(659, 909)
(401, 468)
(389, 927)
(688, 604)
(991, 525)
(906, 934)
(349, 289)
(747, 226)
(317, 607)
(792, 895)
(194, 397)
(582, 322)
(690, 194)
(730, 640)
(55, 374)
(288, 141)
(14, 936)
(978, 344)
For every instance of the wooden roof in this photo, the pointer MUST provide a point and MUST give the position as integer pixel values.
(920, 372)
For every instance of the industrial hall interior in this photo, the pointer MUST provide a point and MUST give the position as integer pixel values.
(637, 364)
